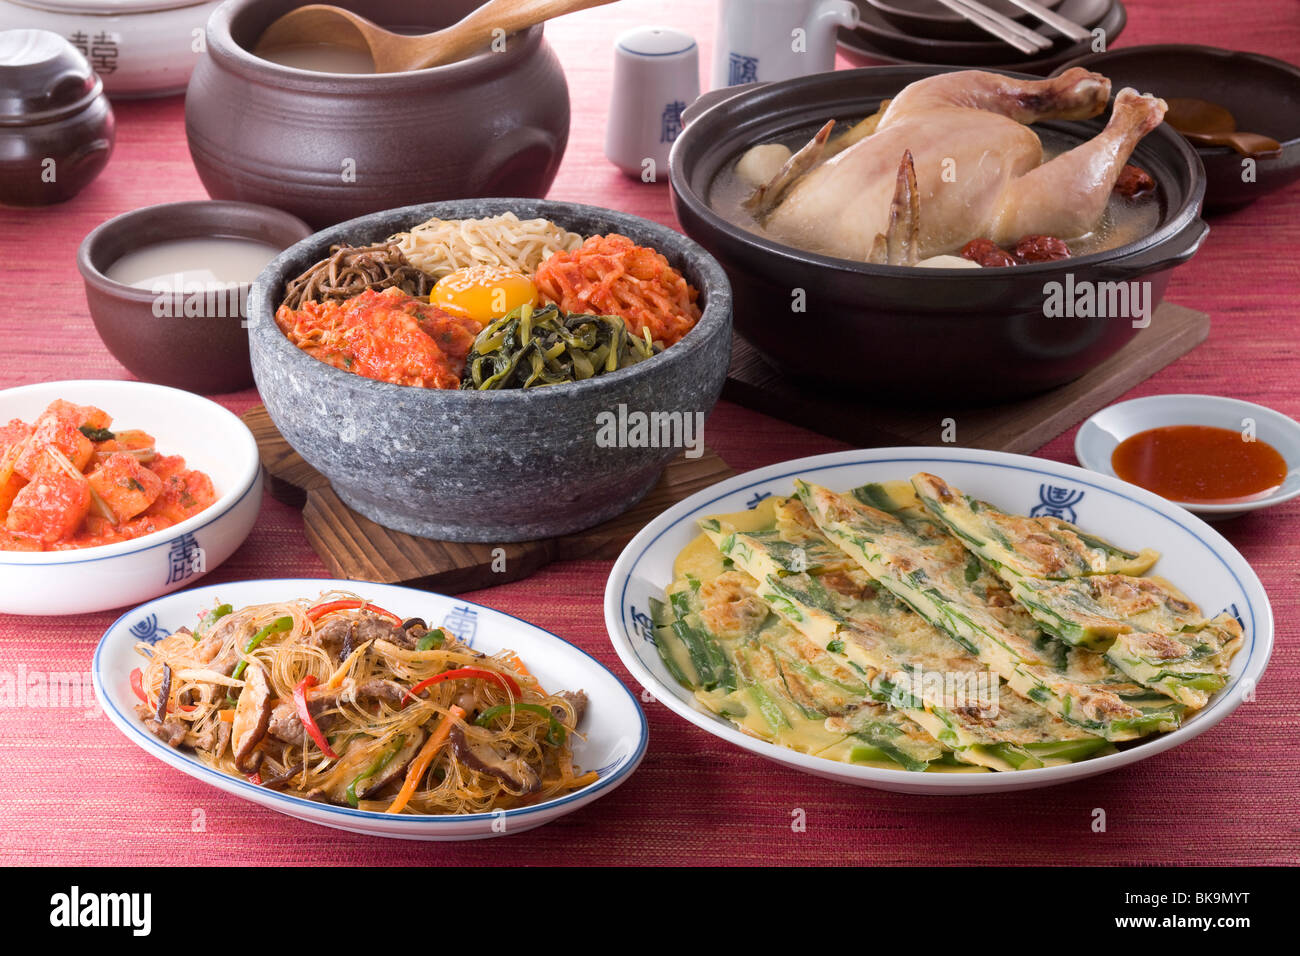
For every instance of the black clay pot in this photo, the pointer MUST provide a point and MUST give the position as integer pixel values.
(1262, 93)
(328, 147)
(898, 333)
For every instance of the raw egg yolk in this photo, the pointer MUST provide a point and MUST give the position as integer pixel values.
(484, 293)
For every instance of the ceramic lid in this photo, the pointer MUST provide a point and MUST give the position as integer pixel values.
(42, 75)
(107, 7)
(655, 41)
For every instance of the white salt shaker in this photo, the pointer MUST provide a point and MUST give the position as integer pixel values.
(656, 76)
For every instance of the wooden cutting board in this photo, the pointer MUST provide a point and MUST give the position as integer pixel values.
(1021, 426)
(354, 547)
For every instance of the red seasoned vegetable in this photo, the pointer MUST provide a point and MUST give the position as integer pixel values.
(464, 672)
(308, 721)
(320, 610)
(67, 481)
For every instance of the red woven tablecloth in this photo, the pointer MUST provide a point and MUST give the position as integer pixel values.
(76, 792)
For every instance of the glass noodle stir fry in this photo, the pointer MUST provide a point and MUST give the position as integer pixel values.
(339, 700)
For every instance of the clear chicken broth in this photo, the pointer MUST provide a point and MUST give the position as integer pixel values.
(1125, 220)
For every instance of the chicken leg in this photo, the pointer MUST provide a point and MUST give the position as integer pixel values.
(978, 168)
(1067, 196)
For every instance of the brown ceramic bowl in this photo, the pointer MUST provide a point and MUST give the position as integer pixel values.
(329, 147)
(1261, 92)
(56, 126)
(199, 353)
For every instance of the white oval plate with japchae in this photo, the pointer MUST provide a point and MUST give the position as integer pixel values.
(1195, 558)
(611, 740)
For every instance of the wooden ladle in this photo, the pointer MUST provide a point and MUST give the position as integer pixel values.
(1204, 122)
(397, 53)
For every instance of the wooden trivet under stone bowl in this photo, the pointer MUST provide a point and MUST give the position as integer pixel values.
(1021, 426)
(355, 547)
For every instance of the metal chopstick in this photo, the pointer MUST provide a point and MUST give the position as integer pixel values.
(1004, 28)
(1054, 20)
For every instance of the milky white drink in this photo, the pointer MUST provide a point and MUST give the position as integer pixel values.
(193, 262)
(321, 58)
(195, 277)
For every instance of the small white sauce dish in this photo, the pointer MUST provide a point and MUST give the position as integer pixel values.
(210, 439)
(1099, 436)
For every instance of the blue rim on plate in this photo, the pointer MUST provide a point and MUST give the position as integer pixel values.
(129, 724)
(628, 573)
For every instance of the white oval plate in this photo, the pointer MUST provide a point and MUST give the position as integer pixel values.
(207, 436)
(1098, 437)
(614, 732)
(1195, 558)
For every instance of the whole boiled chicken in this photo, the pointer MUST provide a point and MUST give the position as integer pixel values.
(952, 159)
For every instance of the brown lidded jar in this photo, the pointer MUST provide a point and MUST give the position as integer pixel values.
(56, 125)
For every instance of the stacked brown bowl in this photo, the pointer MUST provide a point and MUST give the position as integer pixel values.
(896, 32)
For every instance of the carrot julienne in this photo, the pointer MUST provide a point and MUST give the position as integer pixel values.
(424, 758)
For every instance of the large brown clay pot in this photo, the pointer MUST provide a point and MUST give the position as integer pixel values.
(328, 147)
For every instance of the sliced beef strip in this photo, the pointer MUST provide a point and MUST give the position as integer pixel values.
(285, 725)
(578, 700)
(215, 739)
(333, 635)
(170, 731)
(379, 629)
(377, 689)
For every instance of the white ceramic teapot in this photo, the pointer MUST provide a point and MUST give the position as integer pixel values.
(762, 40)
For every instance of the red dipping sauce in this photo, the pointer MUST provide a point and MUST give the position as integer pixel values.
(1199, 464)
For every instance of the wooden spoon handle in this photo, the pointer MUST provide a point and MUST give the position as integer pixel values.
(479, 27)
(1252, 145)
(316, 22)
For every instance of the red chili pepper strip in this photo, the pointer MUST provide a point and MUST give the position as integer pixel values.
(320, 610)
(254, 778)
(459, 672)
(308, 721)
(137, 685)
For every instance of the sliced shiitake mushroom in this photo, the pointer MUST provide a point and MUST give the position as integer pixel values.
(481, 755)
(396, 767)
(252, 714)
(361, 756)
